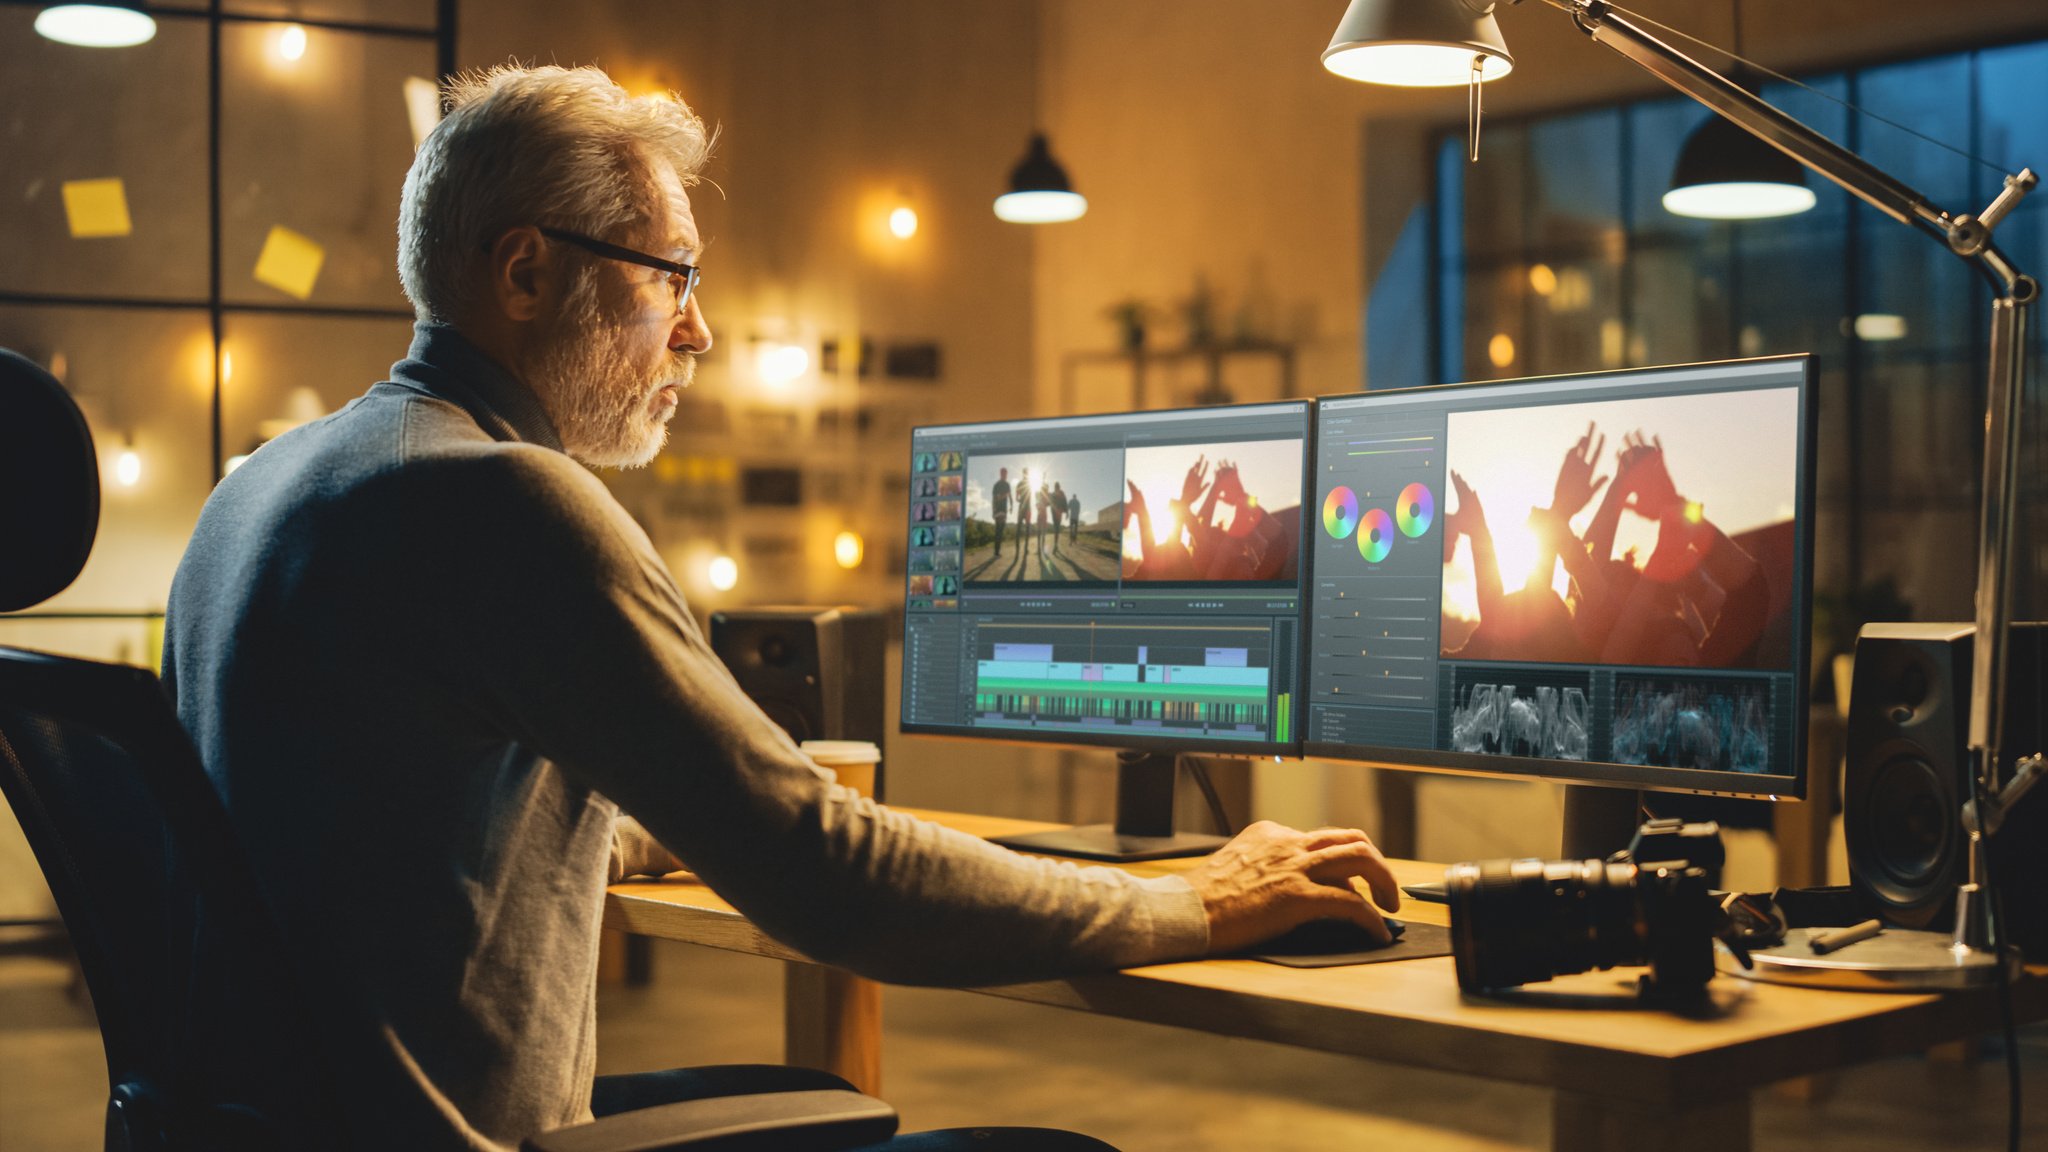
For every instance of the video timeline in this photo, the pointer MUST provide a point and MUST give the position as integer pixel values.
(1208, 681)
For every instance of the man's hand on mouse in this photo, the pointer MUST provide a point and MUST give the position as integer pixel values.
(1271, 878)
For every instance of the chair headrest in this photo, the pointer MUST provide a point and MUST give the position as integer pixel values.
(49, 485)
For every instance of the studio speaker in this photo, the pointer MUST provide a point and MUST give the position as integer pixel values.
(1908, 776)
(818, 672)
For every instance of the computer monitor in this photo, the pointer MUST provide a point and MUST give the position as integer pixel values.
(1601, 579)
(1131, 581)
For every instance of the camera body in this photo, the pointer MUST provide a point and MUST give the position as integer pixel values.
(1516, 922)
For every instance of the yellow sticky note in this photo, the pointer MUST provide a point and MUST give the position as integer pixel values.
(96, 208)
(289, 262)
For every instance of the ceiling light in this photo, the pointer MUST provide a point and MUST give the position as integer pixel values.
(95, 25)
(291, 43)
(1724, 173)
(903, 222)
(1039, 190)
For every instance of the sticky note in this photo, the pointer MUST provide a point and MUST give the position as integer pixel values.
(289, 262)
(96, 208)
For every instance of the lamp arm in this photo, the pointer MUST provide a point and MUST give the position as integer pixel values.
(1967, 236)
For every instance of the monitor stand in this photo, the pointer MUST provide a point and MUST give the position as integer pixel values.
(1144, 820)
(1598, 822)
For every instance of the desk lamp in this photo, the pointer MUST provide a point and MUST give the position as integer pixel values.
(1446, 42)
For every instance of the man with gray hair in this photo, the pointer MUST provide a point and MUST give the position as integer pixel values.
(428, 661)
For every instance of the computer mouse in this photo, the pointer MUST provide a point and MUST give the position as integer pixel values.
(1327, 937)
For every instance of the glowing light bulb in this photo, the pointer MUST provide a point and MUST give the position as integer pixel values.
(1040, 207)
(1739, 200)
(291, 43)
(847, 548)
(95, 25)
(722, 572)
(903, 223)
(1542, 279)
(1414, 65)
(128, 468)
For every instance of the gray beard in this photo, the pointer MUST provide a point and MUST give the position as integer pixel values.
(601, 405)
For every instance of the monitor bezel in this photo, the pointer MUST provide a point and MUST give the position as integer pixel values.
(1604, 773)
(1126, 739)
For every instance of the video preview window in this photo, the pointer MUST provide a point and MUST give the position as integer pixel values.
(1210, 512)
(1655, 532)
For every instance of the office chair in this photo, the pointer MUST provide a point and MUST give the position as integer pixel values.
(138, 851)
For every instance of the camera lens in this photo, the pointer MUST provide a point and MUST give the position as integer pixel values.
(1518, 922)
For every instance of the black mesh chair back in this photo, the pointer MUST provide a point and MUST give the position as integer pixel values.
(130, 834)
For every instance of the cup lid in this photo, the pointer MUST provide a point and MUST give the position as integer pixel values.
(831, 752)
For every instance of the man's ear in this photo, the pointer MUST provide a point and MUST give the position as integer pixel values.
(523, 274)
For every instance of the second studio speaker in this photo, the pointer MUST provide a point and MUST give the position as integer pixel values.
(818, 672)
(1908, 777)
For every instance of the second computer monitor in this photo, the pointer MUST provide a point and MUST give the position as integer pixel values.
(1600, 578)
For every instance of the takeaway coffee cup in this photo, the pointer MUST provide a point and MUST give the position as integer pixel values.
(853, 761)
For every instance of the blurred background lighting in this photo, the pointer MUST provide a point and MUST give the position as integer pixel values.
(903, 223)
(722, 572)
(779, 364)
(291, 43)
(848, 548)
(128, 468)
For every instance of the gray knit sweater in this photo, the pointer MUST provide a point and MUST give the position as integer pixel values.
(427, 659)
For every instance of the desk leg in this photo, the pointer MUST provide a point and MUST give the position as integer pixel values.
(833, 1020)
(1603, 1124)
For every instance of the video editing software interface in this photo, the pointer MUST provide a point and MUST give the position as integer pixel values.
(1596, 577)
(1132, 580)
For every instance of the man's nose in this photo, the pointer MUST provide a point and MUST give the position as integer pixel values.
(692, 332)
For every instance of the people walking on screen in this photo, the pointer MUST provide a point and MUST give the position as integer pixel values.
(1059, 512)
(1043, 498)
(999, 504)
(1023, 535)
(1023, 520)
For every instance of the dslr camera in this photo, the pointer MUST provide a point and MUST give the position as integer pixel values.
(1516, 922)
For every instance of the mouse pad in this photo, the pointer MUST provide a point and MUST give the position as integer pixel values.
(1419, 942)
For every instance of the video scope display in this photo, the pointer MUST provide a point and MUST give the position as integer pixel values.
(1131, 579)
(1598, 577)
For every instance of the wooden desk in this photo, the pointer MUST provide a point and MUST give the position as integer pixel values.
(1626, 1077)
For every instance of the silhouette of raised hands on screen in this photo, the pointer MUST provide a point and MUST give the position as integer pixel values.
(1576, 485)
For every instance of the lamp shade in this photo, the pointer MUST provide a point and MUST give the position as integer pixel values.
(1417, 43)
(1039, 190)
(1724, 173)
(96, 25)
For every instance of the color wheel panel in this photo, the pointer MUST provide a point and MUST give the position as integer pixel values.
(1340, 513)
(1416, 509)
(1375, 535)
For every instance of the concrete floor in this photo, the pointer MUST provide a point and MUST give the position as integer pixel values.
(958, 1059)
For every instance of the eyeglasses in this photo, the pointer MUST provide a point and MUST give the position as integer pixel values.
(682, 278)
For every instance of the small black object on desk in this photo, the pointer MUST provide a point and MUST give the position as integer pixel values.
(1333, 943)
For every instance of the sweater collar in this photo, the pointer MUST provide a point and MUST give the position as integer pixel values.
(443, 362)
